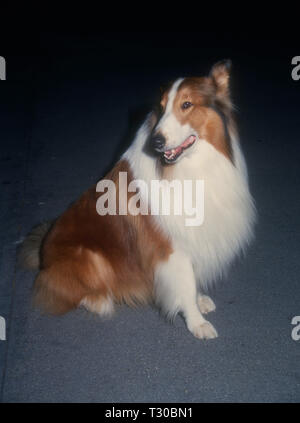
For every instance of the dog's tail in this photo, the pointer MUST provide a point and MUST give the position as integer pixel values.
(29, 253)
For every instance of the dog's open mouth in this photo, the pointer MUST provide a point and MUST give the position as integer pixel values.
(172, 155)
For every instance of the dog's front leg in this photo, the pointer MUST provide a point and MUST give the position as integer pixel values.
(175, 291)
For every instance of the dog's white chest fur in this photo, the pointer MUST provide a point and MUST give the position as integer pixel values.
(228, 206)
(228, 213)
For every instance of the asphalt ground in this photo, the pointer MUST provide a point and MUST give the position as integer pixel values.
(66, 114)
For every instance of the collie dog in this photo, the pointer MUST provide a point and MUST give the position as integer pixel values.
(97, 260)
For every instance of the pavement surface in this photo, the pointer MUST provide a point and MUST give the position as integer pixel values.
(65, 116)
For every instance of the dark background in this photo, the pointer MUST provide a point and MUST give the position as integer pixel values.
(71, 103)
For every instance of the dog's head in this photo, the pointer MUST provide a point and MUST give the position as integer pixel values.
(194, 109)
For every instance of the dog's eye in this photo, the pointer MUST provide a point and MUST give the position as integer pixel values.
(186, 105)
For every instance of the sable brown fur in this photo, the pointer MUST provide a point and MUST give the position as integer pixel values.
(93, 257)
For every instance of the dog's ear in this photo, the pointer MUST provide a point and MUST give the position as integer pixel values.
(220, 74)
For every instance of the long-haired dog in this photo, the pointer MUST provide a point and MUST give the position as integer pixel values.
(98, 260)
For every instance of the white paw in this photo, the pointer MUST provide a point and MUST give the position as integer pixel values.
(103, 306)
(205, 304)
(204, 330)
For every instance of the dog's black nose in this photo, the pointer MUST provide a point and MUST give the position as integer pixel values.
(158, 142)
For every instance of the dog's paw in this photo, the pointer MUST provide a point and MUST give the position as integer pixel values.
(103, 306)
(204, 330)
(205, 304)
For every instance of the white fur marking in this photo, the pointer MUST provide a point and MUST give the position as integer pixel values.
(174, 132)
(175, 290)
(102, 306)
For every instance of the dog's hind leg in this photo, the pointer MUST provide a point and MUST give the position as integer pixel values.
(175, 291)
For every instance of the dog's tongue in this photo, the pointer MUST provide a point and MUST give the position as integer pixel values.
(177, 150)
(173, 152)
(188, 141)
